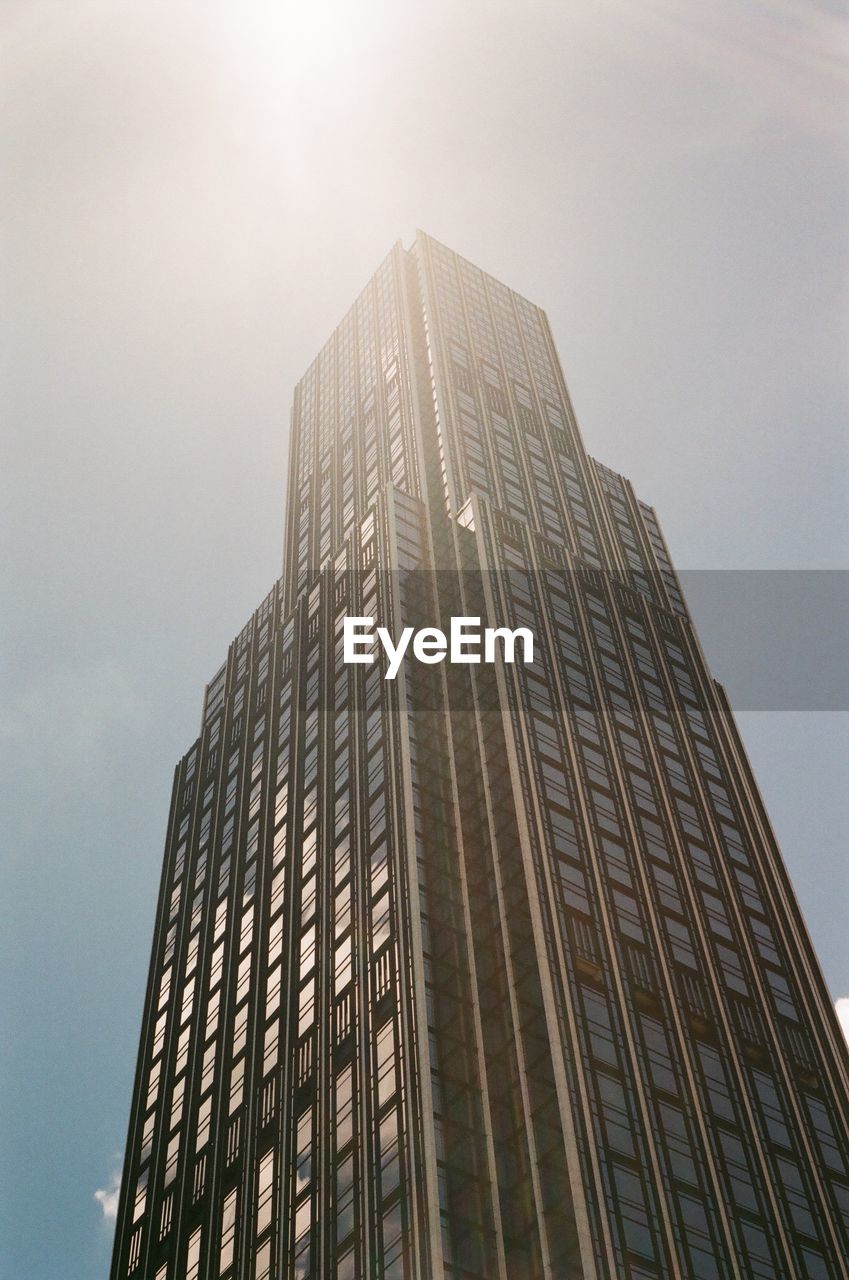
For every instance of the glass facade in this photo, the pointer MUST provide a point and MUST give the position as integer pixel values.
(489, 972)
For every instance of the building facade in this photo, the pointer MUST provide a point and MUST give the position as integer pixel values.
(490, 972)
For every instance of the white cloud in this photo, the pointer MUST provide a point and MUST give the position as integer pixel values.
(107, 1197)
(842, 1008)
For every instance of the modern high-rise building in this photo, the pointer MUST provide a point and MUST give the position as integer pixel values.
(491, 971)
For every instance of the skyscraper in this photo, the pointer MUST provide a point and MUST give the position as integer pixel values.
(491, 971)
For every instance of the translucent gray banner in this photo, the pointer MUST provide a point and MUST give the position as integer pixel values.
(777, 639)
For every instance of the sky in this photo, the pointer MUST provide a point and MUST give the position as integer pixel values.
(193, 194)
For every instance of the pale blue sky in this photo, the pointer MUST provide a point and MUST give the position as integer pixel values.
(194, 194)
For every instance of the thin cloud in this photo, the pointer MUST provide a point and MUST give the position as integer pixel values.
(785, 53)
(94, 703)
(107, 1197)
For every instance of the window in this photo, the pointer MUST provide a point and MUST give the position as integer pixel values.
(228, 1231)
(303, 1152)
(633, 1212)
(193, 1255)
(344, 1108)
(265, 1191)
(345, 1198)
(385, 1055)
(617, 1120)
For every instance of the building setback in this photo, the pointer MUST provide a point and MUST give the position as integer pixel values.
(485, 972)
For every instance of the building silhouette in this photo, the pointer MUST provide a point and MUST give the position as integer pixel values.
(490, 972)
